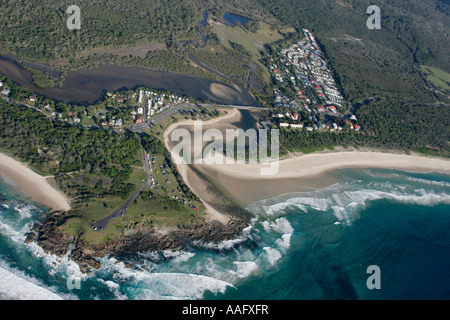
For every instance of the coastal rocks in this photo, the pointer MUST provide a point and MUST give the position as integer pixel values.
(5, 203)
(211, 232)
(146, 240)
(87, 256)
(48, 236)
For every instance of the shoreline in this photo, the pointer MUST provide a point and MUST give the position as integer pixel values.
(194, 184)
(297, 172)
(312, 171)
(33, 184)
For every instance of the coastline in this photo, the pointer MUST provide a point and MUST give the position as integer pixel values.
(298, 172)
(33, 184)
(306, 172)
(191, 180)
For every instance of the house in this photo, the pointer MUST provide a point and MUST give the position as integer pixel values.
(297, 125)
(139, 119)
(332, 109)
(140, 110)
(32, 98)
(70, 114)
(104, 123)
(76, 120)
(1, 84)
(6, 92)
(284, 124)
(295, 116)
(321, 109)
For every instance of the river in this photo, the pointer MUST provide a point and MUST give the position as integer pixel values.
(86, 86)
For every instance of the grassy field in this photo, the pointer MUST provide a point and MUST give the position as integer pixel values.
(437, 77)
(252, 42)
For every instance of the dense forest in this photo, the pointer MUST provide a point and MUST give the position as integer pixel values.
(53, 148)
(389, 125)
(385, 64)
(367, 63)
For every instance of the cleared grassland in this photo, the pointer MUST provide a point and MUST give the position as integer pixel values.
(437, 77)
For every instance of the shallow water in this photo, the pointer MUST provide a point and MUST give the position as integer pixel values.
(86, 86)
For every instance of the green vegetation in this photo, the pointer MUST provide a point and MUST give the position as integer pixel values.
(99, 170)
(388, 125)
(38, 30)
(438, 79)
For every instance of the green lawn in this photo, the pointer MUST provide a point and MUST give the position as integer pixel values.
(437, 77)
(252, 42)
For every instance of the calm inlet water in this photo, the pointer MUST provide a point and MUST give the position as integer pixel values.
(232, 19)
(86, 86)
(309, 245)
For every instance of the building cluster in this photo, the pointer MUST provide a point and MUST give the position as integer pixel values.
(310, 76)
(313, 122)
(306, 92)
(155, 103)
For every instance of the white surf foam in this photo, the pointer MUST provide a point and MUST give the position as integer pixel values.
(280, 225)
(16, 287)
(163, 285)
(284, 242)
(272, 255)
(245, 269)
(346, 200)
(429, 182)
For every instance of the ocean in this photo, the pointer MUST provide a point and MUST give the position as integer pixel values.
(310, 245)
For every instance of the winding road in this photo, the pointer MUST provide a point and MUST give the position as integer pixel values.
(101, 224)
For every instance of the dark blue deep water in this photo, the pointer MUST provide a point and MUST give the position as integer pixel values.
(309, 245)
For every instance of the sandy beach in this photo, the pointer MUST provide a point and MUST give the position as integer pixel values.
(297, 173)
(190, 178)
(31, 183)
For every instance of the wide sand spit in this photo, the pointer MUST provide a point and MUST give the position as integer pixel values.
(294, 173)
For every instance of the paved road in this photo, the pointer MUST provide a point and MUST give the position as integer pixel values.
(101, 224)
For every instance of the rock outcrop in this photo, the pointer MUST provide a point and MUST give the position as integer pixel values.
(52, 240)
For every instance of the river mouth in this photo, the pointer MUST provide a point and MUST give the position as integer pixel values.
(87, 86)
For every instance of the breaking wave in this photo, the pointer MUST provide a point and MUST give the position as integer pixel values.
(346, 199)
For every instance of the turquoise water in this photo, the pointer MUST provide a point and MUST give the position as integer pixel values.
(310, 245)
